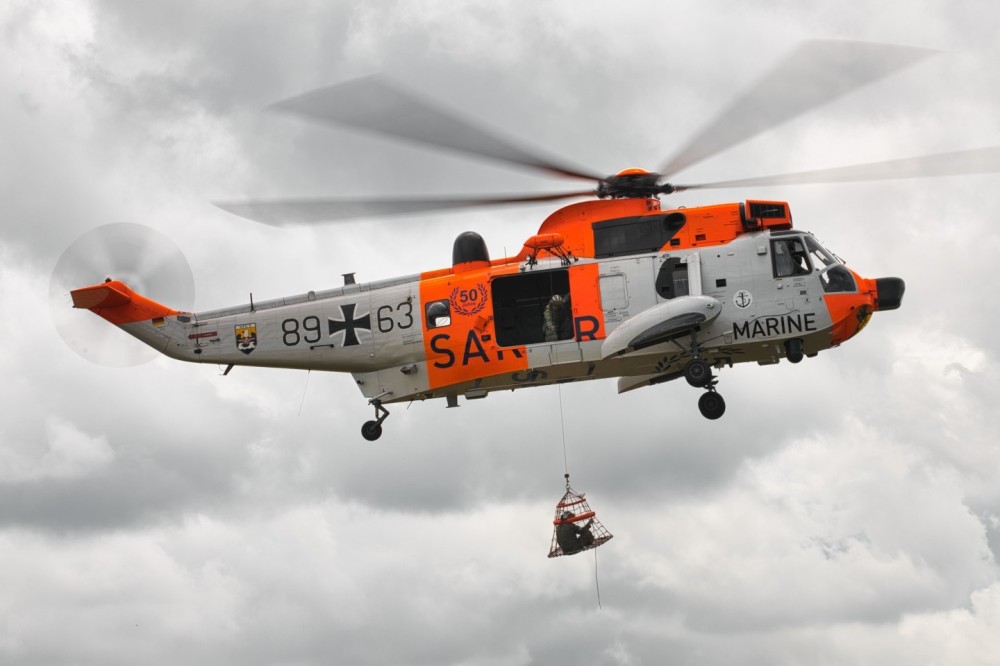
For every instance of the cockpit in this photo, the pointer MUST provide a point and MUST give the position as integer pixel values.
(801, 254)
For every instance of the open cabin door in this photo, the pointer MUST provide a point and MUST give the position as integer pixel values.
(560, 308)
(523, 303)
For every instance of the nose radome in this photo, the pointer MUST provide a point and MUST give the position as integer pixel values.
(889, 293)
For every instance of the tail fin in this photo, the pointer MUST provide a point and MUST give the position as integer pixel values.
(114, 301)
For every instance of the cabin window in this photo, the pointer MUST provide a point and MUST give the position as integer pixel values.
(525, 311)
(438, 314)
(672, 280)
(789, 256)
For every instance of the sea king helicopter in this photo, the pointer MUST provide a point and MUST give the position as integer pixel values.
(617, 285)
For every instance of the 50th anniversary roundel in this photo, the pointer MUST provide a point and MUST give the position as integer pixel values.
(468, 301)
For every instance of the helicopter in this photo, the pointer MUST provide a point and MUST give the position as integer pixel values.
(615, 286)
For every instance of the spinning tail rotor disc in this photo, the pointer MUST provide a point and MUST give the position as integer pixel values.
(145, 260)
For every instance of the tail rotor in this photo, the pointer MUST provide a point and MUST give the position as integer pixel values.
(141, 257)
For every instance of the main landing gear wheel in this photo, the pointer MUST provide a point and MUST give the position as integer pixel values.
(711, 405)
(372, 430)
(698, 372)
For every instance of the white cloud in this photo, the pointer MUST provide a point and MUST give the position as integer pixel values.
(959, 636)
(845, 525)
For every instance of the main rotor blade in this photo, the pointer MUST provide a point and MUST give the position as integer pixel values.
(815, 73)
(292, 212)
(961, 162)
(373, 103)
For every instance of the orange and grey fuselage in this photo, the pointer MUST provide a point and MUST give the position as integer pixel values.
(646, 295)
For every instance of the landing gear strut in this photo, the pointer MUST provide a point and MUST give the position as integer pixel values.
(372, 430)
(698, 373)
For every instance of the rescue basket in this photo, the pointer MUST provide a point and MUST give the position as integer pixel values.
(583, 518)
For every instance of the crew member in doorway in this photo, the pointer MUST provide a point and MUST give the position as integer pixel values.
(571, 537)
(558, 319)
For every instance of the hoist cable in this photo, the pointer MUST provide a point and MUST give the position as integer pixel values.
(304, 388)
(562, 421)
(597, 582)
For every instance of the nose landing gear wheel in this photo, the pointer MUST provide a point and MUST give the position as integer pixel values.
(698, 372)
(711, 405)
(793, 350)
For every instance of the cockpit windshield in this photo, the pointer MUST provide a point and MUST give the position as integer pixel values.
(820, 255)
(833, 275)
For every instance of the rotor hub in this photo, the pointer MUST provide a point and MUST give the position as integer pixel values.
(632, 184)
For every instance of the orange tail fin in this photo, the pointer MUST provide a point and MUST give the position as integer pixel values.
(114, 301)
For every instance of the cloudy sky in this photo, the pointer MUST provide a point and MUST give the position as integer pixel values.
(845, 510)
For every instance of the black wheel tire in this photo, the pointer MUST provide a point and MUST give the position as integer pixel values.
(793, 350)
(697, 372)
(711, 405)
(371, 430)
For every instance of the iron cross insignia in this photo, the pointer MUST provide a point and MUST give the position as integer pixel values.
(350, 325)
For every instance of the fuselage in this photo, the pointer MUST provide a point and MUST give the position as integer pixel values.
(744, 279)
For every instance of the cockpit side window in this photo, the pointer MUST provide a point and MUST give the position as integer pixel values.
(790, 257)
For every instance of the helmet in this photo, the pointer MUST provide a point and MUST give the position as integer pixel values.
(557, 300)
(566, 515)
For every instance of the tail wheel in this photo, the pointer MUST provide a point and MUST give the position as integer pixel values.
(711, 405)
(371, 430)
